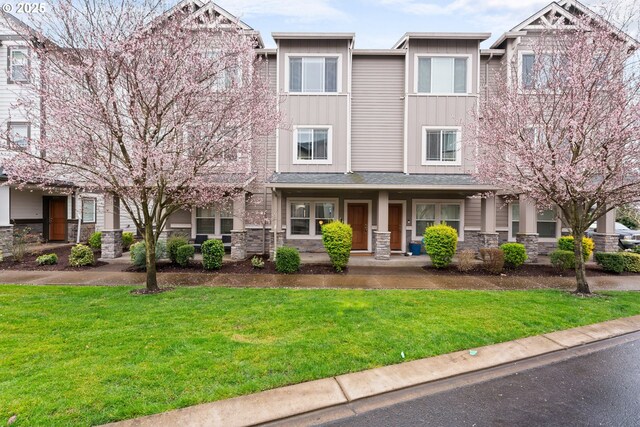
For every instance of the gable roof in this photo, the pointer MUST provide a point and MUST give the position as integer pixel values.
(455, 36)
(562, 9)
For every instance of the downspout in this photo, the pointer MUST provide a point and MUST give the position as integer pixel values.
(405, 160)
(264, 195)
(79, 216)
(349, 80)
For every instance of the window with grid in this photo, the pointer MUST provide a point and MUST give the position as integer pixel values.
(18, 64)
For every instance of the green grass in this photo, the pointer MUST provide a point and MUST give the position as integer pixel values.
(90, 355)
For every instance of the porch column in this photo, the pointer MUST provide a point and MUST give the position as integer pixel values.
(528, 233)
(382, 234)
(606, 239)
(488, 234)
(111, 233)
(6, 229)
(277, 239)
(238, 234)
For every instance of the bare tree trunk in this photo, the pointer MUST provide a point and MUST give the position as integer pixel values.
(581, 277)
(150, 244)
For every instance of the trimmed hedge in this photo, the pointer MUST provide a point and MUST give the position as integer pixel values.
(173, 244)
(47, 259)
(492, 259)
(515, 254)
(613, 262)
(563, 260)
(81, 255)
(287, 260)
(440, 243)
(565, 243)
(184, 254)
(336, 238)
(127, 240)
(632, 262)
(95, 241)
(212, 254)
(138, 253)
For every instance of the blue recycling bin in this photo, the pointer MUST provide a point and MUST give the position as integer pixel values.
(415, 248)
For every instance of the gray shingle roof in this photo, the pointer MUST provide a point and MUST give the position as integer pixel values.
(374, 179)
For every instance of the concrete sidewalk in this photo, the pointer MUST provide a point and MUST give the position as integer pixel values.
(357, 278)
(285, 402)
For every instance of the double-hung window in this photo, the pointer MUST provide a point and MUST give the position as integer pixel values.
(306, 217)
(214, 221)
(19, 134)
(534, 75)
(515, 220)
(312, 145)
(546, 223)
(443, 75)
(205, 221)
(313, 74)
(429, 213)
(88, 211)
(441, 146)
(18, 63)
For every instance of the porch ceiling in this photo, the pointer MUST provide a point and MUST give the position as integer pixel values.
(378, 181)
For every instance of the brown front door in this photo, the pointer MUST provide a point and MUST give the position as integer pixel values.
(395, 226)
(57, 219)
(358, 214)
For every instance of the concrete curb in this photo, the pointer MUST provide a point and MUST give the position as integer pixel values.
(285, 402)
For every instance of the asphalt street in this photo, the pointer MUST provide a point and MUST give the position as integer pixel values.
(597, 389)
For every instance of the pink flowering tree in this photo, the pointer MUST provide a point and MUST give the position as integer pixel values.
(566, 132)
(165, 111)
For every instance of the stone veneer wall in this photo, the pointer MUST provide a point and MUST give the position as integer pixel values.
(382, 248)
(86, 230)
(254, 240)
(606, 242)
(305, 245)
(6, 241)
(111, 244)
(36, 231)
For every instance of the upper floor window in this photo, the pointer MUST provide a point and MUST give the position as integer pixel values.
(440, 146)
(18, 63)
(19, 134)
(534, 75)
(443, 75)
(312, 145)
(313, 74)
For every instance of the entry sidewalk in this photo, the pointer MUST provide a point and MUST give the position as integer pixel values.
(278, 404)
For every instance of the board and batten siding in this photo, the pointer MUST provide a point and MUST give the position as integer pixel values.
(377, 120)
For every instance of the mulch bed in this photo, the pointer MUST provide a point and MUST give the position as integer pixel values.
(526, 270)
(63, 252)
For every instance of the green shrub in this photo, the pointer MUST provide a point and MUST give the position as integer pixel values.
(492, 260)
(138, 253)
(636, 249)
(336, 238)
(47, 259)
(95, 241)
(563, 260)
(287, 260)
(127, 240)
(613, 262)
(185, 253)
(632, 262)
(212, 254)
(565, 243)
(440, 242)
(81, 255)
(173, 244)
(515, 254)
(257, 262)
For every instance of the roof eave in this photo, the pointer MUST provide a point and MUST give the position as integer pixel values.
(470, 188)
(312, 36)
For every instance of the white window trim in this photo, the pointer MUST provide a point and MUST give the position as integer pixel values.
(312, 216)
(521, 53)
(287, 71)
(11, 49)
(458, 161)
(95, 209)
(512, 238)
(438, 219)
(369, 203)
(329, 160)
(216, 220)
(416, 85)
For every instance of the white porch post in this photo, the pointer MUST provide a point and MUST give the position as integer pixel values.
(6, 229)
(382, 234)
(276, 223)
(239, 234)
(528, 234)
(112, 233)
(488, 235)
(606, 238)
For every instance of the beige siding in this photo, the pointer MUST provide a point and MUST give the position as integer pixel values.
(472, 213)
(26, 204)
(377, 122)
(502, 214)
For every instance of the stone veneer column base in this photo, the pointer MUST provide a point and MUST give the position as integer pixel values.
(488, 240)
(530, 242)
(238, 245)
(111, 244)
(383, 245)
(606, 242)
(6, 241)
(279, 242)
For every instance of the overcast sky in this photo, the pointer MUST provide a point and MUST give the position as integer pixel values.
(380, 23)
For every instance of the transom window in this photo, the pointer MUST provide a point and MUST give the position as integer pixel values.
(428, 214)
(306, 218)
(214, 221)
(313, 74)
(440, 146)
(312, 145)
(443, 75)
(88, 211)
(18, 64)
(19, 134)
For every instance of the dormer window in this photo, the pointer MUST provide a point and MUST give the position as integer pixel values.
(313, 74)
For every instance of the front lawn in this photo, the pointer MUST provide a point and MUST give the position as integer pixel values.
(90, 355)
